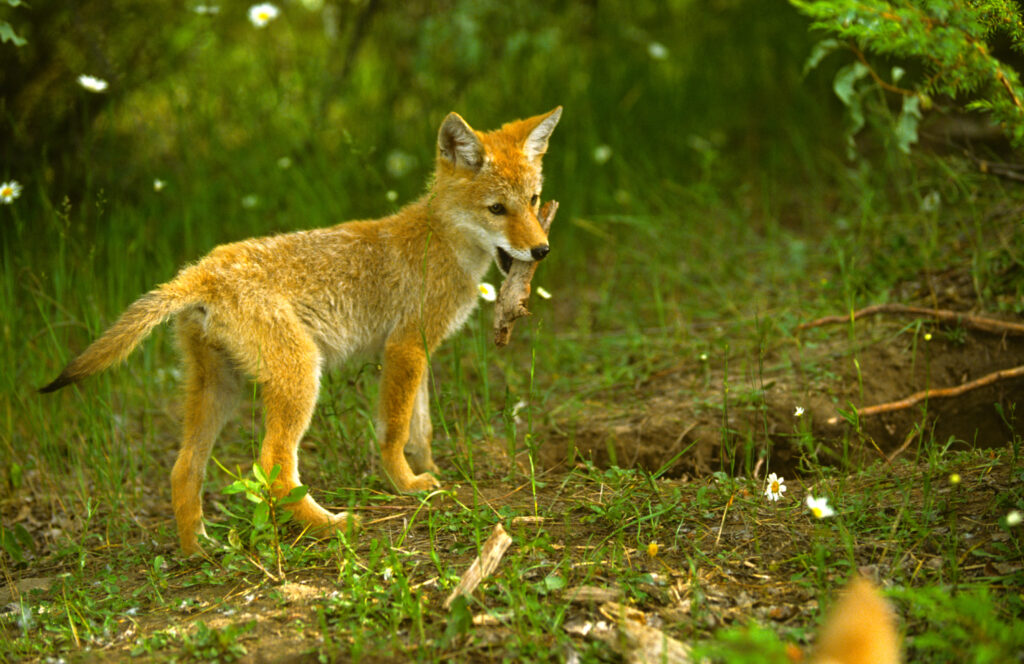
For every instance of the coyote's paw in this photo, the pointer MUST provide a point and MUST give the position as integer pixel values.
(189, 540)
(329, 523)
(345, 522)
(417, 483)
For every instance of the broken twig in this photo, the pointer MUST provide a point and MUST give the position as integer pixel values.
(490, 555)
(937, 393)
(515, 289)
(982, 323)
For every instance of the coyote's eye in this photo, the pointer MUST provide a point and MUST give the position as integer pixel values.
(496, 208)
(534, 199)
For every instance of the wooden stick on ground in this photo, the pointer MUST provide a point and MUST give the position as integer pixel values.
(515, 289)
(982, 323)
(937, 393)
(490, 555)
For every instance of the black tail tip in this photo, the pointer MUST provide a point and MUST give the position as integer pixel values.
(59, 382)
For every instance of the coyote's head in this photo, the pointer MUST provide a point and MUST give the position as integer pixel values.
(497, 180)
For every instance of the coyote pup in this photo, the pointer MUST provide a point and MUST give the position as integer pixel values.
(282, 309)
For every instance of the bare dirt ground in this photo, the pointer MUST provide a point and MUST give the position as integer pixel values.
(889, 358)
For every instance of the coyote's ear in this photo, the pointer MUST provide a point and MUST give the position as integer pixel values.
(536, 143)
(459, 144)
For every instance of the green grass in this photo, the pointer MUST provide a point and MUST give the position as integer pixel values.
(94, 460)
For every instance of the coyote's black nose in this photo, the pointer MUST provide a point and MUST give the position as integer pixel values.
(540, 251)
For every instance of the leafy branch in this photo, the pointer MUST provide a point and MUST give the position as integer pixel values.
(949, 40)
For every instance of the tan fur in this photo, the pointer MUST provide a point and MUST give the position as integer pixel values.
(283, 309)
(860, 629)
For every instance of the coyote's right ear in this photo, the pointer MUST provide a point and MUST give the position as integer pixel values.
(459, 144)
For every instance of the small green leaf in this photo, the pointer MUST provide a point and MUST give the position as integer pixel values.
(24, 537)
(295, 495)
(9, 544)
(460, 619)
(235, 487)
(819, 52)
(257, 471)
(554, 582)
(7, 34)
(845, 80)
(261, 515)
(906, 124)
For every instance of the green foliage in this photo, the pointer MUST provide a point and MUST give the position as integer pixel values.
(203, 644)
(268, 515)
(963, 626)
(951, 47)
(7, 33)
(16, 542)
(750, 644)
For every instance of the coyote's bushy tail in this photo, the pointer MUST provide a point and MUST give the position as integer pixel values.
(861, 629)
(121, 338)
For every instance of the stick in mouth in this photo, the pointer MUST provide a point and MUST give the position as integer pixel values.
(515, 289)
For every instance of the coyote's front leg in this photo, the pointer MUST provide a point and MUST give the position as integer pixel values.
(405, 365)
(421, 431)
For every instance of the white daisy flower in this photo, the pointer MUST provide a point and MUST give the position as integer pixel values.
(92, 84)
(263, 13)
(158, 185)
(543, 292)
(775, 487)
(799, 412)
(9, 191)
(487, 292)
(1014, 518)
(819, 507)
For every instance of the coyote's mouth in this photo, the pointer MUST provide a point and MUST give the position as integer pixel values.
(503, 259)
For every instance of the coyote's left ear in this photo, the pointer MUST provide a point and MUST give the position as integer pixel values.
(536, 142)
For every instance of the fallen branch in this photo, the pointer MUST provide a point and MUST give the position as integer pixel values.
(490, 555)
(937, 393)
(515, 289)
(982, 323)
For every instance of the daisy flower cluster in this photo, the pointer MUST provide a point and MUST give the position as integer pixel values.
(775, 486)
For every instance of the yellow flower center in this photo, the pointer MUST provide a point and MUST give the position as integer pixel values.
(816, 511)
(775, 487)
(7, 191)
